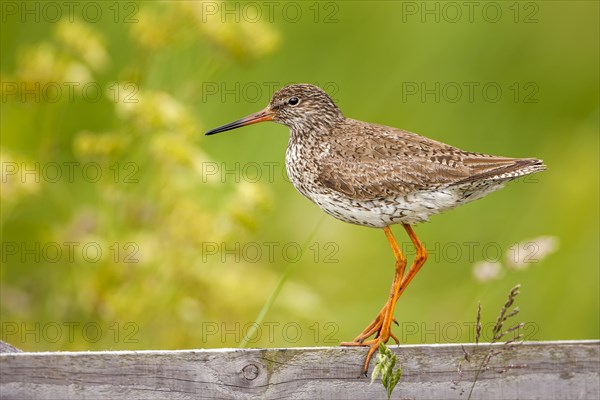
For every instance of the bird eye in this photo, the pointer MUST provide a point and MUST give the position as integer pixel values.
(293, 101)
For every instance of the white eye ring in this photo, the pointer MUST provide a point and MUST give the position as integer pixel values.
(293, 101)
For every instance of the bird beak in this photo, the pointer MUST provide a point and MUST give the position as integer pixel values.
(264, 115)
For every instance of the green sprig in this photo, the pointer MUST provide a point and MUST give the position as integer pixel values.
(386, 361)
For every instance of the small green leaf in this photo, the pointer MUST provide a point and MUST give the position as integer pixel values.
(376, 372)
(386, 360)
(383, 348)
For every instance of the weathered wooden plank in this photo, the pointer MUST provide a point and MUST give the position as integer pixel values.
(8, 348)
(544, 370)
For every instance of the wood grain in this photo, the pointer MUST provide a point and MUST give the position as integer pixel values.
(535, 370)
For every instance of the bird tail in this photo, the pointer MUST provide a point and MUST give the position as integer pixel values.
(504, 169)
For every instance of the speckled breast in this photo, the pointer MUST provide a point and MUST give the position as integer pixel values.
(411, 208)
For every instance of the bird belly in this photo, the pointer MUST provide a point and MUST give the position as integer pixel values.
(411, 209)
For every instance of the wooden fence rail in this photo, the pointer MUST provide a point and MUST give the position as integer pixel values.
(533, 370)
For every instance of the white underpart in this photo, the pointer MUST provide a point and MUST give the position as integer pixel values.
(410, 209)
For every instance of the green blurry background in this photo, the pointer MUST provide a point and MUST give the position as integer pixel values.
(195, 232)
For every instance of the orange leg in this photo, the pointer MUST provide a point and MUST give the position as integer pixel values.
(400, 267)
(381, 326)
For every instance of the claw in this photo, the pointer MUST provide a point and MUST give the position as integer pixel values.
(372, 349)
(382, 335)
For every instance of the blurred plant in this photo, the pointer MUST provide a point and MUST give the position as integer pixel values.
(14, 190)
(84, 43)
(532, 251)
(244, 40)
(151, 211)
(189, 22)
(519, 256)
(485, 271)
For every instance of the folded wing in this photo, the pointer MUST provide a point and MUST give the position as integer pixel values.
(384, 162)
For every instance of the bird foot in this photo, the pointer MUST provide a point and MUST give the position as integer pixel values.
(381, 328)
(373, 347)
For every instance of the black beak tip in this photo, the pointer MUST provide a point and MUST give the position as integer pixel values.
(213, 131)
(249, 120)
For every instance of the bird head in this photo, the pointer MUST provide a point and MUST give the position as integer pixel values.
(301, 107)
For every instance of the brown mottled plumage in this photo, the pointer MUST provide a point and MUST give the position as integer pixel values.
(375, 175)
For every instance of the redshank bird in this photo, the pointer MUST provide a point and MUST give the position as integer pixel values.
(376, 176)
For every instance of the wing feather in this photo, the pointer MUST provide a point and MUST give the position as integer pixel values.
(367, 161)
